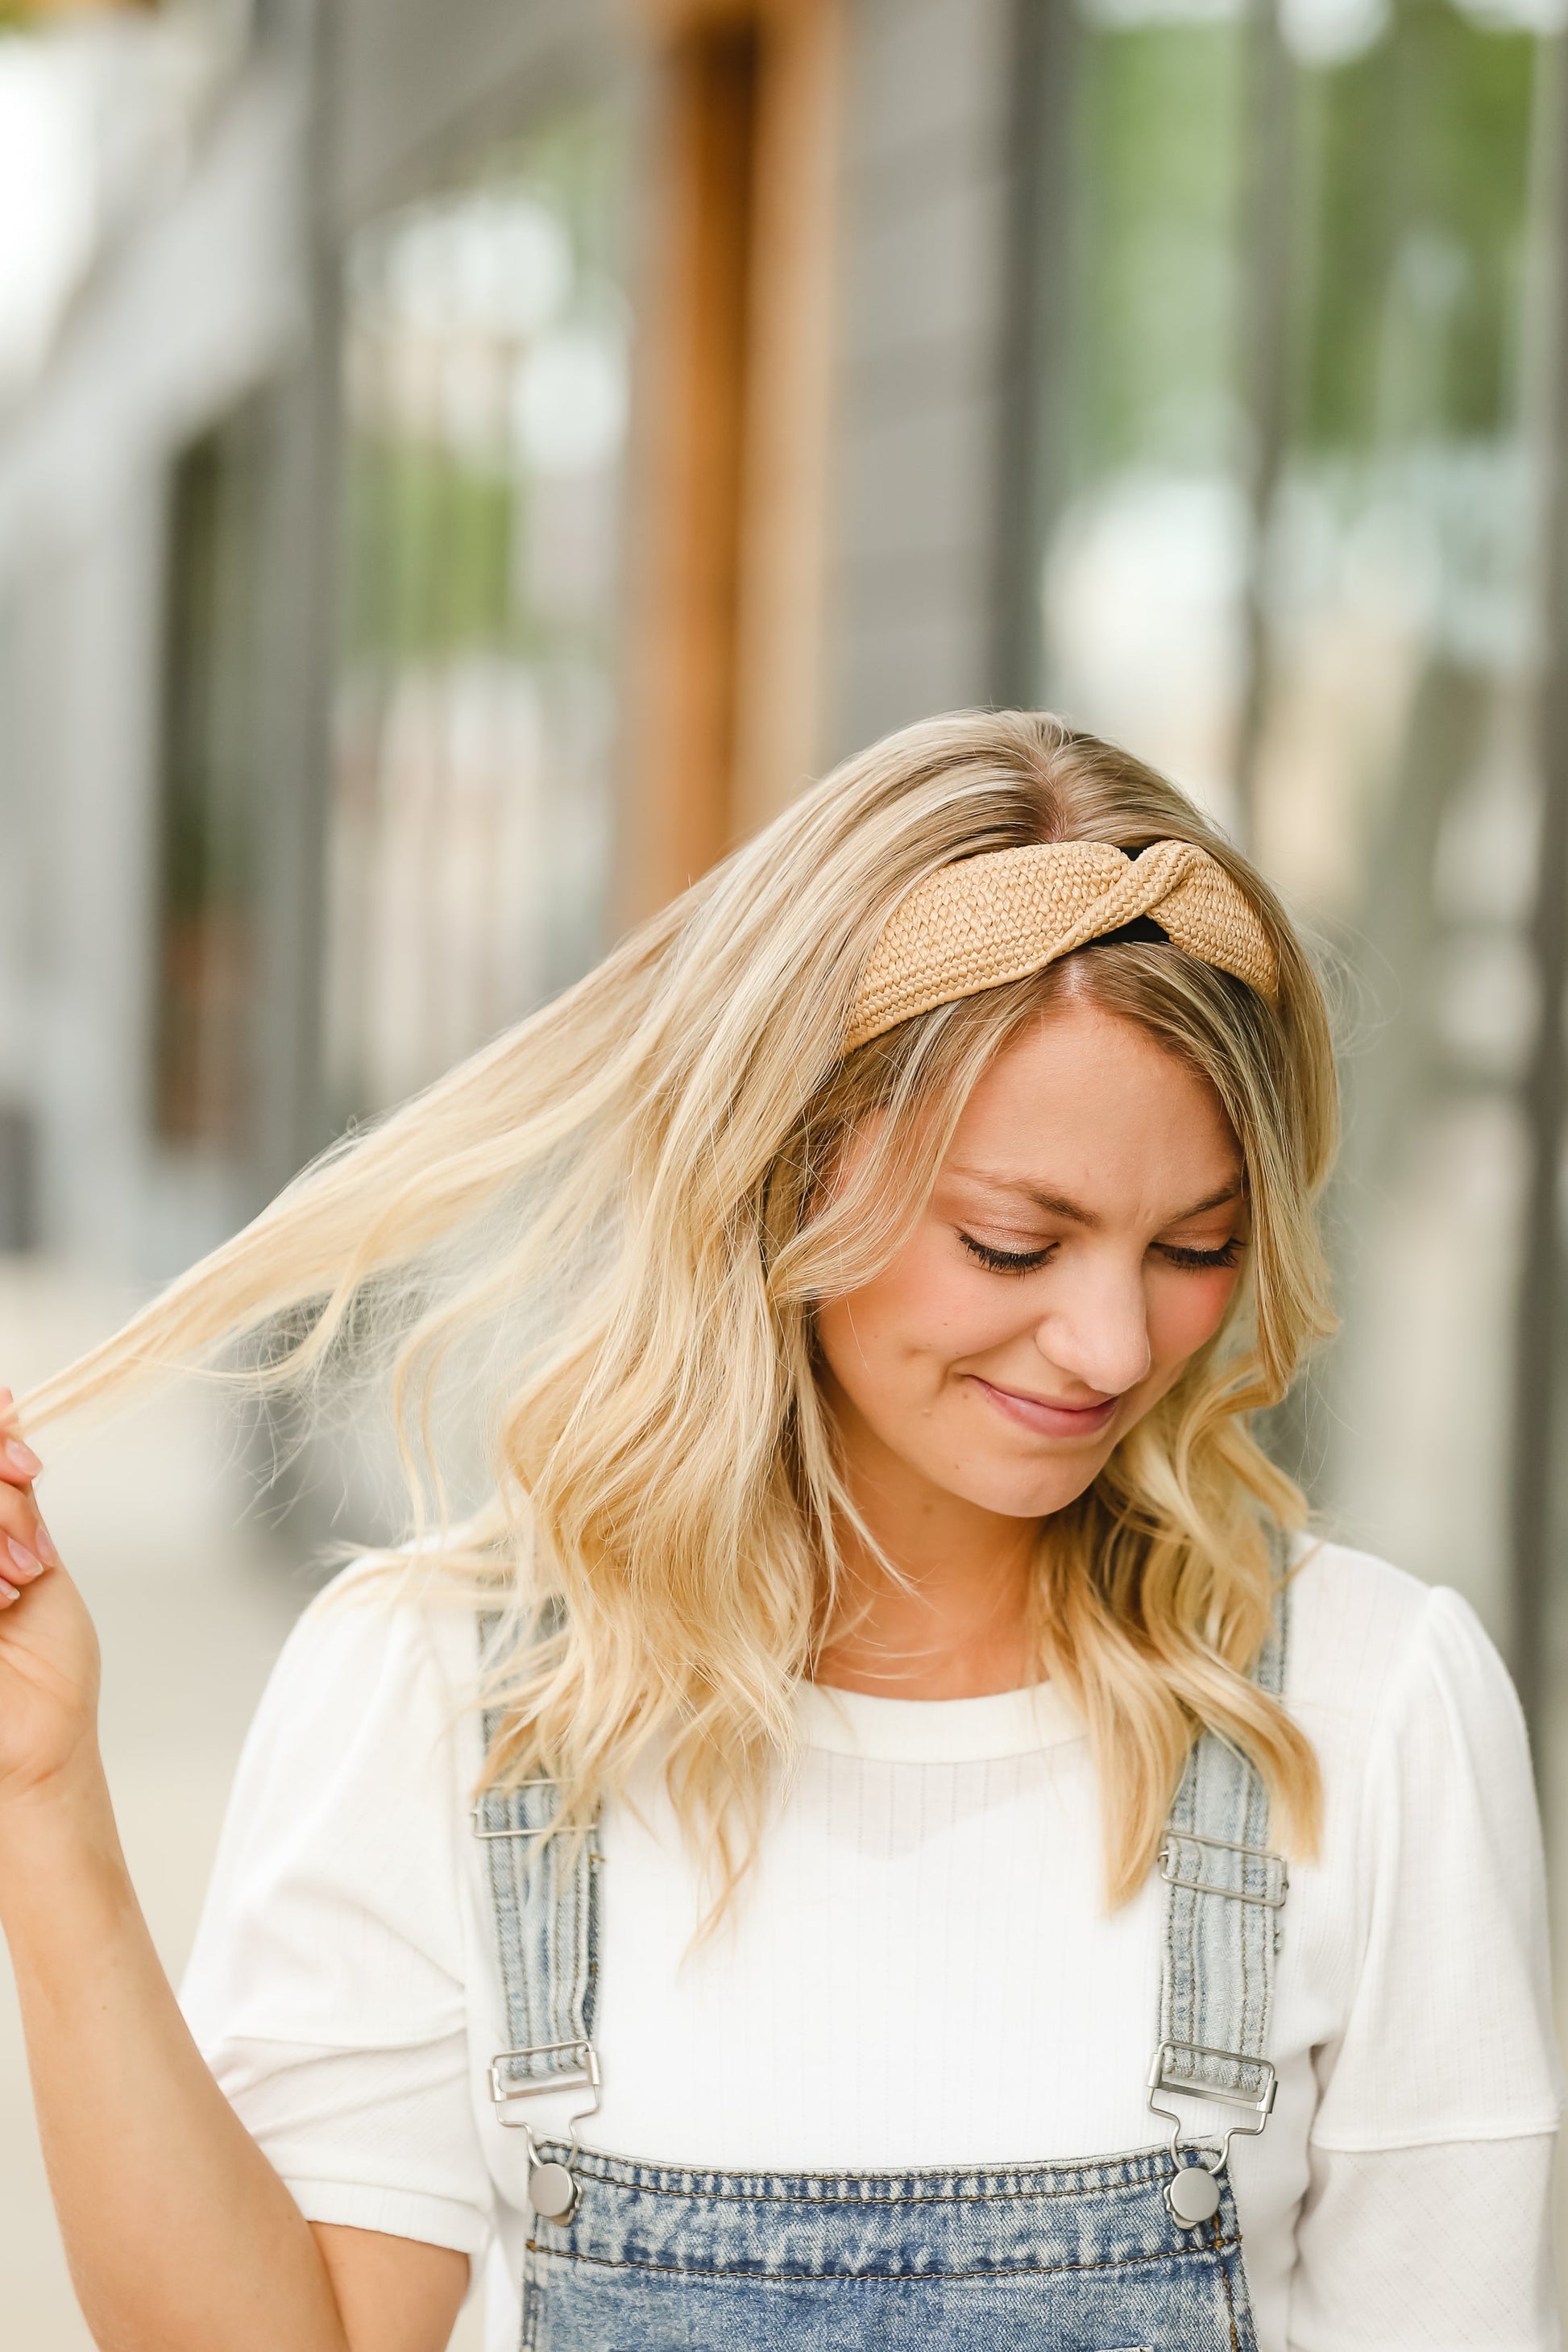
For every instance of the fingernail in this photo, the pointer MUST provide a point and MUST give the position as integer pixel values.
(44, 1545)
(9, 1593)
(22, 1457)
(25, 1560)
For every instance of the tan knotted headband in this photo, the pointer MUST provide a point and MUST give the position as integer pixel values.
(1001, 917)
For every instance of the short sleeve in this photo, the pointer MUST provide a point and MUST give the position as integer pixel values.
(1426, 2226)
(1449, 2033)
(327, 1987)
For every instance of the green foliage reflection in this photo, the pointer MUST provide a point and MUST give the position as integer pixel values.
(1416, 169)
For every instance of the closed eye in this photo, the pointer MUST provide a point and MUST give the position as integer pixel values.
(1006, 1261)
(1199, 1261)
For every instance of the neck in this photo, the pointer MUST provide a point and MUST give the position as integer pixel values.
(954, 1622)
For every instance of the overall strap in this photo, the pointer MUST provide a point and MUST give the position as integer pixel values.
(544, 1893)
(1226, 1894)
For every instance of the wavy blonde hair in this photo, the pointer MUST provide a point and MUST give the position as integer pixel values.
(619, 1220)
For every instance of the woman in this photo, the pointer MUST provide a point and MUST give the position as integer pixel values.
(952, 1863)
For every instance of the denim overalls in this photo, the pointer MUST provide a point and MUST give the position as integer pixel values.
(1119, 2253)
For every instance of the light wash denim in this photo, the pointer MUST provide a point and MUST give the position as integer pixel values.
(1085, 2257)
(1052, 2258)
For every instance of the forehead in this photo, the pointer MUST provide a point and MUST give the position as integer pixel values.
(1085, 1096)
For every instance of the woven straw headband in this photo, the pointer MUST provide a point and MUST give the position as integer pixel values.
(989, 920)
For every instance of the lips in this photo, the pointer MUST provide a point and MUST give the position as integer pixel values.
(1044, 1419)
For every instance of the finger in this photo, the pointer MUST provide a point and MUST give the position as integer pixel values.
(28, 1545)
(20, 1562)
(19, 1520)
(13, 1467)
(19, 1465)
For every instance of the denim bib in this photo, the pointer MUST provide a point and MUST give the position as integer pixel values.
(1139, 2253)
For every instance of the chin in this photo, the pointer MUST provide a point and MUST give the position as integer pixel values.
(1012, 1496)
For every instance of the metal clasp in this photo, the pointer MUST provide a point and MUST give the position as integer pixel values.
(500, 1796)
(1279, 1877)
(1261, 2107)
(552, 2186)
(579, 2078)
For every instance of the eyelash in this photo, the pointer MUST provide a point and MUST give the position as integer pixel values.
(1006, 1261)
(1192, 1261)
(1203, 1261)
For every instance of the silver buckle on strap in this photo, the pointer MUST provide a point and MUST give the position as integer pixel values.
(1279, 1877)
(1192, 2198)
(552, 2187)
(1261, 2107)
(575, 2078)
(1261, 2104)
(512, 1830)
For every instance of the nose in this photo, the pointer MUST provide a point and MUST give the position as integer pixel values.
(1097, 1328)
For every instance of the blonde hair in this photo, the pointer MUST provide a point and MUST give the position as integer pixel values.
(617, 1217)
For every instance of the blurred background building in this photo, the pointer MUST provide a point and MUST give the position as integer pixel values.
(462, 467)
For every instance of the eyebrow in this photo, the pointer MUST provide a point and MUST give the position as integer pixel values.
(1056, 1204)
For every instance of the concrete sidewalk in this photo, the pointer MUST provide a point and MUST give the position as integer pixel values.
(192, 1602)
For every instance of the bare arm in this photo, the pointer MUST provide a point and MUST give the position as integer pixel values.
(181, 2236)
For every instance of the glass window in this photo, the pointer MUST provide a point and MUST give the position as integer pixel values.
(1294, 563)
(1142, 639)
(203, 1080)
(486, 389)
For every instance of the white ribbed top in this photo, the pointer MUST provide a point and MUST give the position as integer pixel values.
(921, 1970)
(935, 1730)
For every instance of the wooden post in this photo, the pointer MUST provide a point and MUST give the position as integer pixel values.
(729, 459)
(794, 290)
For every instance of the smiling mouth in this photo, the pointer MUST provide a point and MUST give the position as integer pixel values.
(1044, 1418)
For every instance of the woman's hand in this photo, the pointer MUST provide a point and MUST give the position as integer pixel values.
(195, 2242)
(49, 1651)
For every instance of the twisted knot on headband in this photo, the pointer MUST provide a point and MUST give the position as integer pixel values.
(986, 921)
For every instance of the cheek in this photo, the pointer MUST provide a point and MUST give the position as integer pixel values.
(924, 1309)
(1185, 1311)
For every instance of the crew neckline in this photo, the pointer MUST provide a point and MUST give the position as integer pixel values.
(936, 1730)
